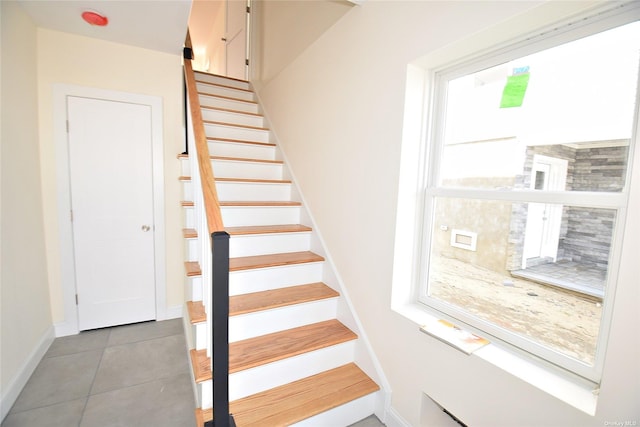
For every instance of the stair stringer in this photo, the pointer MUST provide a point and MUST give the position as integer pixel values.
(364, 355)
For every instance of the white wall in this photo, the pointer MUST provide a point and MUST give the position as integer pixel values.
(25, 316)
(337, 109)
(285, 28)
(76, 60)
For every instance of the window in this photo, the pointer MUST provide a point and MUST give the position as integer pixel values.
(525, 190)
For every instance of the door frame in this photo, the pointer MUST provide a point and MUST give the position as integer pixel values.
(67, 260)
(555, 181)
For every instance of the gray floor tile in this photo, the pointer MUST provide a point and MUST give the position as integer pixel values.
(66, 414)
(167, 402)
(84, 341)
(59, 379)
(145, 331)
(139, 362)
(370, 421)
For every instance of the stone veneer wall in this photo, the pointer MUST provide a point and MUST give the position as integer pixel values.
(585, 234)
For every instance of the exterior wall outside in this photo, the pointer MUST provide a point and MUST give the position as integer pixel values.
(75, 60)
(338, 112)
(25, 314)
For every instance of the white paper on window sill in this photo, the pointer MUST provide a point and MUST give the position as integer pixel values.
(456, 337)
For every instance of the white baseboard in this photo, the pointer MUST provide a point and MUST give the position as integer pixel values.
(19, 380)
(173, 312)
(64, 329)
(393, 419)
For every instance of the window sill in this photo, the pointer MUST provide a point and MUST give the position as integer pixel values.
(574, 392)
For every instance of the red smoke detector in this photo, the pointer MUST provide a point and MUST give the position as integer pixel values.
(95, 18)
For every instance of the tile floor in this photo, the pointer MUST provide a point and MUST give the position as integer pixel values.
(578, 277)
(133, 375)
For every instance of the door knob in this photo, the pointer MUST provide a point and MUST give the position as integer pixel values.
(146, 228)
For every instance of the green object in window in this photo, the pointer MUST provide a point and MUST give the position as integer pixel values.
(514, 90)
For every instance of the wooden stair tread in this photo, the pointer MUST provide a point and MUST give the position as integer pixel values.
(205, 73)
(258, 203)
(224, 86)
(192, 268)
(196, 312)
(243, 159)
(274, 298)
(230, 110)
(280, 345)
(304, 398)
(254, 180)
(267, 229)
(231, 98)
(201, 365)
(272, 260)
(189, 233)
(187, 203)
(235, 125)
(241, 141)
(203, 415)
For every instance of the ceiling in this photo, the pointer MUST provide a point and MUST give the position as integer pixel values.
(152, 24)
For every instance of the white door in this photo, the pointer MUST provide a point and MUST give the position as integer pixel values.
(544, 220)
(111, 180)
(236, 39)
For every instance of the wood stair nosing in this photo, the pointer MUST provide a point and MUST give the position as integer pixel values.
(189, 233)
(224, 86)
(201, 365)
(230, 98)
(203, 415)
(236, 159)
(230, 110)
(276, 298)
(205, 73)
(192, 268)
(302, 399)
(267, 229)
(273, 260)
(244, 159)
(254, 180)
(235, 125)
(257, 351)
(196, 312)
(257, 203)
(239, 141)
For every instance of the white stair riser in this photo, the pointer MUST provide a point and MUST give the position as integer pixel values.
(343, 415)
(212, 89)
(202, 77)
(262, 279)
(254, 191)
(185, 167)
(262, 244)
(216, 102)
(238, 216)
(249, 170)
(191, 249)
(205, 392)
(194, 288)
(264, 322)
(187, 190)
(201, 335)
(246, 151)
(188, 217)
(255, 380)
(233, 132)
(231, 117)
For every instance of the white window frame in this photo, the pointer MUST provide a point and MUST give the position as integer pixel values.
(426, 174)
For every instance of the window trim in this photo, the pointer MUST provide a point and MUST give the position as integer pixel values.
(417, 148)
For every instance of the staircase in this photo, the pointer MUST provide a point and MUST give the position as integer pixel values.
(292, 360)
